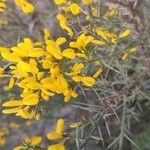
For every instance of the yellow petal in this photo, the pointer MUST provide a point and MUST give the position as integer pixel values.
(124, 34)
(4, 49)
(60, 40)
(98, 72)
(60, 126)
(60, 2)
(38, 116)
(36, 52)
(31, 99)
(11, 83)
(74, 45)
(12, 103)
(54, 135)
(33, 85)
(88, 81)
(36, 140)
(10, 56)
(25, 114)
(77, 67)
(26, 68)
(75, 124)
(46, 92)
(69, 53)
(132, 50)
(18, 148)
(125, 56)
(47, 34)
(11, 110)
(53, 48)
(59, 146)
(75, 8)
(77, 78)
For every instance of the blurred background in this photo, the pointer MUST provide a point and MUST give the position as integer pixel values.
(18, 25)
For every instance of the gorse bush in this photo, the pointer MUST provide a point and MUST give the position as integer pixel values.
(91, 56)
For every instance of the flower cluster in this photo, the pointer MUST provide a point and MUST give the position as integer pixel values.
(58, 134)
(45, 68)
(36, 141)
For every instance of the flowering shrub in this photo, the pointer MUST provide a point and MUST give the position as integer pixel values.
(42, 69)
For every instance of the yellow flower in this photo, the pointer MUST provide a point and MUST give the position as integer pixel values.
(66, 9)
(124, 33)
(38, 116)
(60, 2)
(11, 110)
(25, 68)
(27, 49)
(68, 94)
(11, 83)
(16, 107)
(1, 72)
(31, 99)
(33, 140)
(76, 69)
(57, 135)
(12, 57)
(63, 24)
(106, 35)
(69, 53)
(75, 8)
(24, 113)
(3, 49)
(125, 56)
(58, 131)
(132, 50)
(47, 34)
(25, 6)
(53, 49)
(98, 72)
(18, 148)
(87, 2)
(59, 146)
(87, 80)
(127, 53)
(75, 124)
(12, 103)
(2, 6)
(82, 41)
